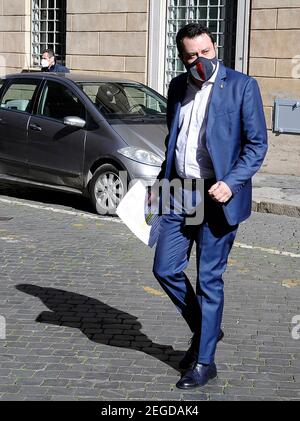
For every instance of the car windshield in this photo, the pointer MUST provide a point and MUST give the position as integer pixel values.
(117, 100)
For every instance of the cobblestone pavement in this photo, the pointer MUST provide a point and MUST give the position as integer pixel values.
(86, 320)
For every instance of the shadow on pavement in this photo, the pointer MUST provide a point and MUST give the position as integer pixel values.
(100, 322)
(46, 196)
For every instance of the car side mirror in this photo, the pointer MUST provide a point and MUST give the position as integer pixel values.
(74, 122)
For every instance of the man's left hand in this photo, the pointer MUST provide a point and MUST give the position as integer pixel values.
(220, 192)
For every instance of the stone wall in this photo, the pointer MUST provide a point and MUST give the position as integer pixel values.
(14, 35)
(108, 37)
(275, 63)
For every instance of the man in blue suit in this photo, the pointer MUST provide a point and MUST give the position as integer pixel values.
(49, 63)
(217, 134)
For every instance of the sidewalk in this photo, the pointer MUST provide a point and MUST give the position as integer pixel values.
(276, 194)
(85, 319)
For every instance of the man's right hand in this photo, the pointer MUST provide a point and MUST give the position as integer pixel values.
(152, 197)
(153, 194)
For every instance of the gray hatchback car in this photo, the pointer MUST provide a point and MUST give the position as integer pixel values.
(80, 133)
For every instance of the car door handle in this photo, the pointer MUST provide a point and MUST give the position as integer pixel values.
(35, 127)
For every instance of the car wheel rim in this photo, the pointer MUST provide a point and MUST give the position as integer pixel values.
(109, 191)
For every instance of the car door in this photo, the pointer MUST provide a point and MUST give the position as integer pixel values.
(15, 105)
(56, 150)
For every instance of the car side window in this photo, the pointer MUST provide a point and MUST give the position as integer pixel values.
(19, 95)
(1, 85)
(58, 101)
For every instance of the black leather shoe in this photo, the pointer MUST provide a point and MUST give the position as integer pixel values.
(197, 376)
(190, 357)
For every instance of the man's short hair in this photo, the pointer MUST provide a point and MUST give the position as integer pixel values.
(50, 52)
(191, 30)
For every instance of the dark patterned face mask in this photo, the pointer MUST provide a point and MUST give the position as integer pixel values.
(202, 68)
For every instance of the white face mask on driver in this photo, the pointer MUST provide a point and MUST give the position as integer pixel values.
(44, 62)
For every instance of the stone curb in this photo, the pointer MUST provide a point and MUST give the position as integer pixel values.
(276, 208)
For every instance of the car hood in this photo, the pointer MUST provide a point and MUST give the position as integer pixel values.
(149, 136)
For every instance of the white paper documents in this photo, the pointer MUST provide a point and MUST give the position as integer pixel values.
(140, 219)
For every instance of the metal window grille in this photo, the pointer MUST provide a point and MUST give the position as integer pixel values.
(48, 29)
(218, 15)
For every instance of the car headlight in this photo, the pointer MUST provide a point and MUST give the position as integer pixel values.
(141, 155)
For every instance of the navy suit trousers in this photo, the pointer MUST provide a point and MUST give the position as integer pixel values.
(202, 306)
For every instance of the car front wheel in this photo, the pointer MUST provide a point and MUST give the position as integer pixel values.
(107, 189)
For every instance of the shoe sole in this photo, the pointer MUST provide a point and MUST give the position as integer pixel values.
(197, 385)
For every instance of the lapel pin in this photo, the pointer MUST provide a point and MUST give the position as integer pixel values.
(222, 85)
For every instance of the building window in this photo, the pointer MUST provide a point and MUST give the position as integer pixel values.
(218, 15)
(48, 29)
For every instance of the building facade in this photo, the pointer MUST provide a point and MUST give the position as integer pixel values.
(135, 39)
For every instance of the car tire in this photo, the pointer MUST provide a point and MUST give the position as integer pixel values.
(107, 188)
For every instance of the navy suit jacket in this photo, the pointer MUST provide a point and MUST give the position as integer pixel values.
(236, 135)
(57, 68)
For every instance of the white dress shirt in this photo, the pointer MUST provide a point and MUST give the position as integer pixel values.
(192, 159)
